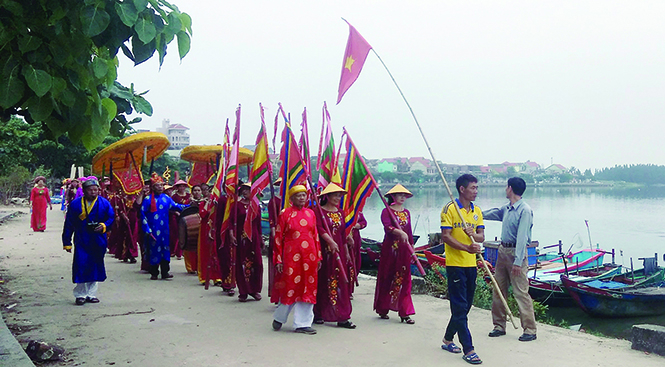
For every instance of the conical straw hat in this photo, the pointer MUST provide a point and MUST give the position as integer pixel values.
(332, 188)
(399, 189)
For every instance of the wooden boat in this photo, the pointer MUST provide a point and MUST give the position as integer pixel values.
(370, 253)
(612, 303)
(433, 248)
(547, 288)
(433, 259)
(581, 260)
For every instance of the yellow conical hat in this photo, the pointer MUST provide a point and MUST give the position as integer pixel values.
(331, 188)
(399, 189)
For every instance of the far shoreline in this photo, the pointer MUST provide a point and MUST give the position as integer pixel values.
(608, 184)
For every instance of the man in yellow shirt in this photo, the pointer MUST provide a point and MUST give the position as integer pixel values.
(461, 268)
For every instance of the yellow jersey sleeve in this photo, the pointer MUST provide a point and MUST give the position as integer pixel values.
(479, 223)
(447, 216)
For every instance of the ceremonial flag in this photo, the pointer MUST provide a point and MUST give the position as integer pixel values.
(354, 58)
(231, 180)
(260, 175)
(358, 183)
(326, 163)
(219, 181)
(130, 178)
(201, 173)
(280, 110)
(292, 171)
(304, 142)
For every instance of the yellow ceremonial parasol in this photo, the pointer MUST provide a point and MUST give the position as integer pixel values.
(150, 144)
(205, 159)
(209, 153)
(201, 153)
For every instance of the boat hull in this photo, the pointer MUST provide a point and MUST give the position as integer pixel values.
(635, 302)
(552, 293)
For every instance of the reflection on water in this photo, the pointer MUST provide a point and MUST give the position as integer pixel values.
(629, 220)
(626, 219)
(645, 192)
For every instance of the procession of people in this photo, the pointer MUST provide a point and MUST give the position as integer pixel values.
(312, 258)
(313, 241)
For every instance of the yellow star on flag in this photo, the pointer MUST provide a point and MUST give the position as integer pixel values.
(349, 62)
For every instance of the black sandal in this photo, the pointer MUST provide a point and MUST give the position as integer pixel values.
(346, 324)
(408, 320)
(384, 316)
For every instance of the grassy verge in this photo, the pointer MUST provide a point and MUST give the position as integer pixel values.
(436, 280)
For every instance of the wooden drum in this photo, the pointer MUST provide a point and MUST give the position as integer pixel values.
(188, 226)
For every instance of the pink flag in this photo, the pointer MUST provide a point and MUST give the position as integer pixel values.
(354, 58)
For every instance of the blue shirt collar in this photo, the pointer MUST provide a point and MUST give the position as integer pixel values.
(515, 206)
(459, 204)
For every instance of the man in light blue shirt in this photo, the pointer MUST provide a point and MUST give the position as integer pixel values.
(512, 263)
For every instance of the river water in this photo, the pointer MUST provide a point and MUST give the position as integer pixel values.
(628, 220)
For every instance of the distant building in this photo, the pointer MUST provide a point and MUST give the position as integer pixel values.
(177, 134)
(386, 165)
(556, 169)
(529, 167)
(422, 164)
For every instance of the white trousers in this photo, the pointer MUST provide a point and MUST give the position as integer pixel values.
(83, 290)
(303, 314)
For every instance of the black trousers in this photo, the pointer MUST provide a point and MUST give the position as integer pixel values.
(461, 288)
(165, 267)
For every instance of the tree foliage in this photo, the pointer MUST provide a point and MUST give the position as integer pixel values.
(26, 145)
(648, 174)
(58, 61)
(13, 183)
(16, 138)
(173, 163)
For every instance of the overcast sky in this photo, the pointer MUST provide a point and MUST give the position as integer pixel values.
(581, 83)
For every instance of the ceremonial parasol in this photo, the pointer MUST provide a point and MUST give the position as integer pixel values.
(209, 153)
(121, 158)
(150, 144)
(206, 157)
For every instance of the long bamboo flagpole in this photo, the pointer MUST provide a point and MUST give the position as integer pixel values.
(450, 193)
(393, 217)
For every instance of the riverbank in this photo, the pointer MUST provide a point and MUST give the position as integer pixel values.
(177, 322)
(502, 183)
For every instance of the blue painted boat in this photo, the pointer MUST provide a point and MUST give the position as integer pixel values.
(547, 289)
(580, 260)
(622, 302)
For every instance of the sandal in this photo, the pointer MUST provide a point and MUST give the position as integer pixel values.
(384, 316)
(472, 358)
(451, 347)
(408, 320)
(319, 321)
(231, 292)
(347, 324)
(256, 296)
(242, 298)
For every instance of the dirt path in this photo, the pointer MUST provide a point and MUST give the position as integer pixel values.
(177, 323)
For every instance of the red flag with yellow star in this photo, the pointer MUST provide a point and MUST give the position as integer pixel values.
(354, 58)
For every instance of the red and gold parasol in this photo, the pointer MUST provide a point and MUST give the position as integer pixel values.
(126, 155)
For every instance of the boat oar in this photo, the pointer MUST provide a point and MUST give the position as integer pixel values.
(494, 283)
